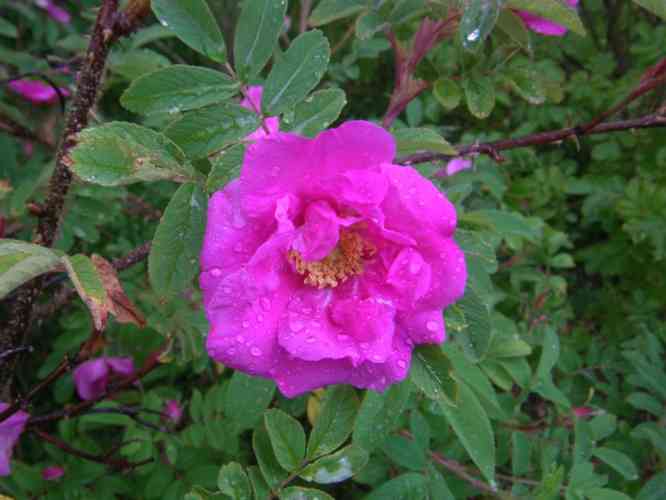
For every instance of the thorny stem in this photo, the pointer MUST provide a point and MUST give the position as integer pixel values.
(492, 148)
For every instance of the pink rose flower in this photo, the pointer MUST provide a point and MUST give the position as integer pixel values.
(36, 91)
(325, 263)
(544, 26)
(10, 430)
(173, 411)
(56, 13)
(92, 377)
(52, 473)
(253, 103)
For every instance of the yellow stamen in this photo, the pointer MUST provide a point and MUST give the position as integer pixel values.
(344, 261)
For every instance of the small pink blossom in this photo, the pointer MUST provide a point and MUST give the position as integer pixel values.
(544, 26)
(56, 13)
(52, 473)
(10, 430)
(36, 91)
(583, 411)
(173, 411)
(325, 262)
(454, 166)
(92, 377)
(252, 101)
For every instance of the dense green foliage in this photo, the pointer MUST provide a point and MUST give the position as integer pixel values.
(552, 383)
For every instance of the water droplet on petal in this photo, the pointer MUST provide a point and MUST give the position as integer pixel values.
(231, 351)
(414, 266)
(238, 247)
(377, 358)
(255, 351)
(364, 345)
(240, 339)
(343, 338)
(311, 339)
(260, 318)
(216, 272)
(402, 364)
(432, 326)
(296, 324)
(265, 303)
(246, 324)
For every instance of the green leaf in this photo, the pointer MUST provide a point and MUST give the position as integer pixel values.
(405, 452)
(463, 369)
(448, 93)
(410, 486)
(246, 399)
(177, 88)
(549, 489)
(233, 481)
(316, 112)
(135, 63)
(268, 464)
(211, 129)
(515, 28)
(583, 442)
(618, 461)
(369, 23)
(194, 23)
(553, 10)
(89, 286)
(257, 31)
(7, 29)
(411, 140)
(479, 94)
(335, 421)
(298, 493)
(550, 353)
(174, 256)
(520, 453)
(379, 415)
(20, 262)
(337, 467)
(470, 422)
(287, 438)
(478, 20)
(225, 166)
(526, 82)
(646, 402)
(297, 73)
(331, 10)
(657, 7)
(119, 153)
(431, 373)
(605, 494)
(259, 486)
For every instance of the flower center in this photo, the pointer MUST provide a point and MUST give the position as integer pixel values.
(344, 261)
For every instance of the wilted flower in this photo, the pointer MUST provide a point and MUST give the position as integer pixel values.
(10, 430)
(36, 91)
(541, 25)
(92, 377)
(325, 263)
(173, 411)
(253, 103)
(52, 473)
(58, 14)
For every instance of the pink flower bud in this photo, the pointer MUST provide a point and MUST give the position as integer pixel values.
(52, 473)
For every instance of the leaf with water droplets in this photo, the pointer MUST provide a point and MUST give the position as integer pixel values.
(194, 23)
(477, 22)
(246, 399)
(233, 481)
(317, 112)
(212, 128)
(20, 262)
(298, 493)
(327, 11)
(297, 73)
(225, 166)
(447, 92)
(337, 467)
(119, 153)
(176, 89)
(526, 82)
(174, 255)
